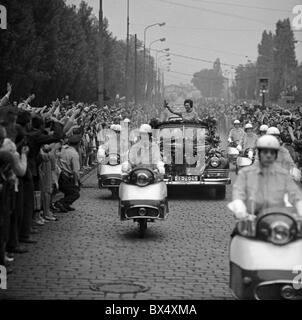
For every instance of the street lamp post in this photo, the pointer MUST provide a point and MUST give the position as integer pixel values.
(162, 51)
(150, 66)
(145, 39)
(127, 58)
(160, 90)
(101, 59)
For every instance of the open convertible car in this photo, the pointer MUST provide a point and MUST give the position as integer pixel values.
(192, 156)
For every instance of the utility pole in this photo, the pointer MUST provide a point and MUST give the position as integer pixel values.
(101, 59)
(135, 70)
(127, 59)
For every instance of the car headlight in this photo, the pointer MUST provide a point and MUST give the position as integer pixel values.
(280, 233)
(215, 162)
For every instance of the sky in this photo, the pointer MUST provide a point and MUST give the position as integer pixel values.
(200, 29)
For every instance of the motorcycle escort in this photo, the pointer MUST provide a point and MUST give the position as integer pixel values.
(264, 252)
(143, 197)
(110, 173)
(233, 152)
(246, 159)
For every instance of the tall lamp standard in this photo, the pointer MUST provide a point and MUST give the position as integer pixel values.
(101, 59)
(150, 66)
(127, 58)
(145, 39)
(159, 81)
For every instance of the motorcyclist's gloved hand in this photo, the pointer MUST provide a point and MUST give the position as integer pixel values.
(101, 155)
(161, 167)
(239, 209)
(230, 140)
(239, 148)
(126, 167)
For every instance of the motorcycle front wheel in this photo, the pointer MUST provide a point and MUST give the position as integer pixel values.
(142, 227)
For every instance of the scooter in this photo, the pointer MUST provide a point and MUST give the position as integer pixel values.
(143, 197)
(266, 256)
(233, 152)
(110, 174)
(245, 160)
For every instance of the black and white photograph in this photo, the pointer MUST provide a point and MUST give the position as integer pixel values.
(150, 152)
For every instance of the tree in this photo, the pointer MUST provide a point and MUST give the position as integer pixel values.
(299, 83)
(51, 48)
(265, 60)
(285, 62)
(245, 81)
(209, 81)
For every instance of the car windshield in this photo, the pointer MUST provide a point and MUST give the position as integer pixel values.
(193, 132)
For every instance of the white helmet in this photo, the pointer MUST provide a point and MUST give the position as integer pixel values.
(264, 127)
(113, 127)
(268, 142)
(248, 126)
(236, 122)
(145, 128)
(273, 131)
(126, 120)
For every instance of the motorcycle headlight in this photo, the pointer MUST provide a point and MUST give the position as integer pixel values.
(280, 233)
(277, 229)
(113, 160)
(142, 178)
(215, 162)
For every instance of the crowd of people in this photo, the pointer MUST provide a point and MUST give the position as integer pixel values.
(257, 120)
(43, 153)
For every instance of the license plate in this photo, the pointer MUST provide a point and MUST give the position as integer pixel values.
(187, 178)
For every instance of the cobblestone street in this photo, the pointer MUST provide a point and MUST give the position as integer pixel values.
(184, 257)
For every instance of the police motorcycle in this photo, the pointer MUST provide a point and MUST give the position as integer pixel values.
(143, 193)
(245, 159)
(264, 252)
(233, 152)
(109, 170)
(266, 249)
